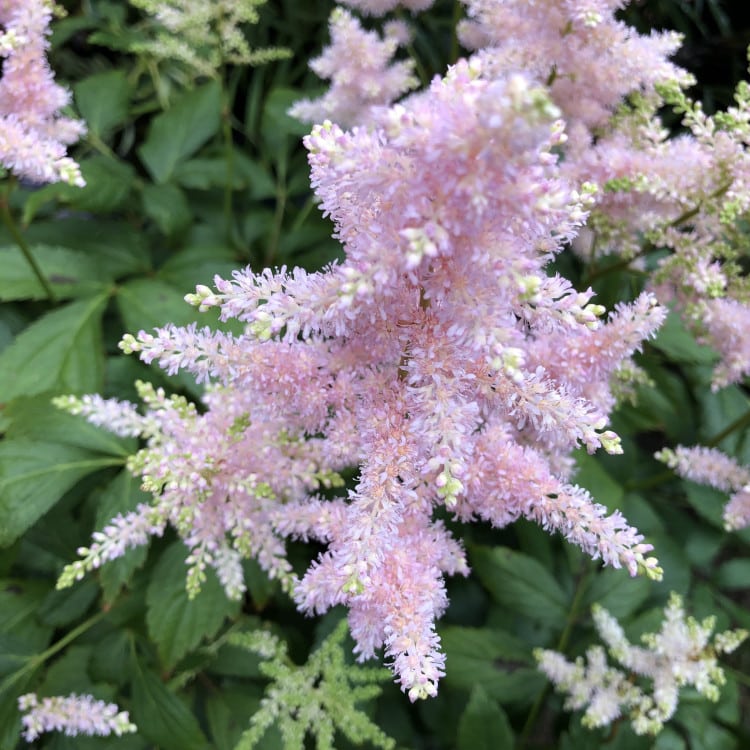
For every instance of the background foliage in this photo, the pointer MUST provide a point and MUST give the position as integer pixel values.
(189, 177)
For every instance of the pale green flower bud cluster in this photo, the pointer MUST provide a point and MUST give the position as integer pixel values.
(204, 36)
(318, 698)
(681, 654)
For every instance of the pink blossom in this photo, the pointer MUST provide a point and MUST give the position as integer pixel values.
(33, 135)
(363, 77)
(74, 715)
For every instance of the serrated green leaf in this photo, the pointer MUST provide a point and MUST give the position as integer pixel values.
(181, 130)
(275, 122)
(68, 674)
(494, 659)
(176, 623)
(61, 352)
(148, 303)
(102, 100)
(117, 247)
(734, 574)
(617, 592)
(167, 206)
(679, 344)
(203, 174)
(64, 607)
(227, 713)
(70, 273)
(483, 724)
(521, 583)
(592, 475)
(161, 717)
(34, 476)
(108, 184)
(707, 501)
(197, 265)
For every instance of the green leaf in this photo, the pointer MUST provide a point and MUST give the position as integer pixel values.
(679, 344)
(70, 273)
(34, 475)
(198, 265)
(147, 303)
(167, 206)
(203, 174)
(494, 659)
(102, 100)
(734, 574)
(35, 418)
(108, 185)
(707, 501)
(61, 352)
(276, 124)
(521, 583)
(591, 475)
(182, 130)
(118, 247)
(484, 725)
(64, 607)
(162, 718)
(176, 623)
(617, 592)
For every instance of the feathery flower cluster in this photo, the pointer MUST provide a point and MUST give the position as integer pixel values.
(439, 358)
(682, 653)
(369, 80)
(74, 715)
(204, 36)
(319, 698)
(216, 478)
(685, 194)
(712, 467)
(33, 135)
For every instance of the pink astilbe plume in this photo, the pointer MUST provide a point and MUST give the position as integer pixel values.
(74, 715)
(439, 359)
(368, 79)
(713, 467)
(33, 135)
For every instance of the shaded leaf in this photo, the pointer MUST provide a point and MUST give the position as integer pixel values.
(176, 623)
(521, 583)
(181, 130)
(483, 725)
(102, 100)
(34, 476)
(70, 273)
(61, 352)
(161, 717)
(494, 659)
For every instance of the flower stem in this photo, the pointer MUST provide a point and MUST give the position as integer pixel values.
(39, 659)
(7, 218)
(561, 646)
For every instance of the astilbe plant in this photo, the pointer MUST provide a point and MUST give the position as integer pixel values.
(439, 359)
